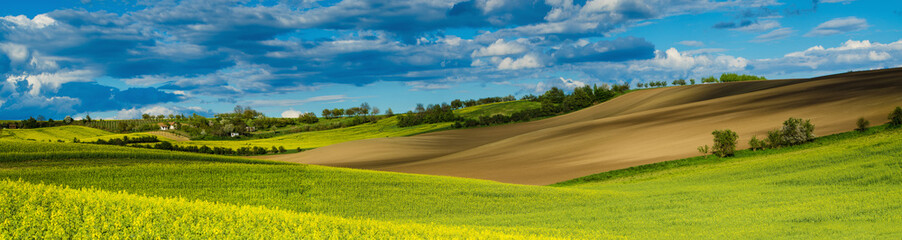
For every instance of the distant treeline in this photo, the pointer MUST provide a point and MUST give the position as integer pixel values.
(726, 77)
(554, 102)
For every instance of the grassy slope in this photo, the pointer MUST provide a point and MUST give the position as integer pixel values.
(384, 128)
(506, 108)
(64, 133)
(841, 186)
(40, 211)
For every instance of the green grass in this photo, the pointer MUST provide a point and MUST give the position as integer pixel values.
(841, 186)
(504, 108)
(64, 133)
(48, 212)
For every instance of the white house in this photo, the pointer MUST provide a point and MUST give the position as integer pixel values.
(163, 126)
(234, 134)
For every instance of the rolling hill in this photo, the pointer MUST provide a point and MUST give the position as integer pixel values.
(840, 186)
(638, 128)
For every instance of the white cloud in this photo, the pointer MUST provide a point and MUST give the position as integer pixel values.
(571, 84)
(291, 113)
(527, 61)
(500, 48)
(837, 26)
(296, 102)
(691, 43)
(425, 86)
(38, 22)
(51, 81)
(774, 35)
(759, 26)
(16, 52)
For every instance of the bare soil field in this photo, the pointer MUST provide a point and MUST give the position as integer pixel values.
(638, 128)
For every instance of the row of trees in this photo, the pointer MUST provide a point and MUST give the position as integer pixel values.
(242, 151)
(363, 110)
(725, 77)
(430, 114)
(554, 102)
(125, 140)
(794, 131)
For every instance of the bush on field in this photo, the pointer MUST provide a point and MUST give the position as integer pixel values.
(796, 131)
(862, 125)
(895, 118)
(756, 144)
(724, 142)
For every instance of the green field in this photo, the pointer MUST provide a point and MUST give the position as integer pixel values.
(387, 127)
(64, 133)
(504, 108)
(841, 186)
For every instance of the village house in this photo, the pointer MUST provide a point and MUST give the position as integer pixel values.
(166, 127)
(234, 134)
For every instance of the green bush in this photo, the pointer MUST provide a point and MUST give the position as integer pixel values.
(862, 125)
(796, 131)
(724, 142)
(895, 118)
(756, 144)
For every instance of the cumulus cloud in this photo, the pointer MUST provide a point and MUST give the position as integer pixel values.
(291, 113)
(527, 61)
(850, 54)
(837, 26)
(500, 48)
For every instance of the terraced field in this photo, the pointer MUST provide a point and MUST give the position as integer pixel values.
(842, 186)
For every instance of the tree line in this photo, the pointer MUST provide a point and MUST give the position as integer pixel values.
(794, 131)
(554, 102)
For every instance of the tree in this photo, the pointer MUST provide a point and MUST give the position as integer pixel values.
(756, 144)
(774, 139)
(376, 111)
(554, 95)
(68, 120)
(862, 125)
(681, 82)
(419, 108)
(692, 81)
(327, 113)
(308, 118)
(795, 131)
(703, 150)
(724, 142)
(364, 108)
(389, 113)
(895, 118)
(457, 103)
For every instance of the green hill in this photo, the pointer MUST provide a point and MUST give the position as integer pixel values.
(841, 186)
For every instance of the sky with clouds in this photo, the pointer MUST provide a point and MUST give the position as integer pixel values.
(118, 59)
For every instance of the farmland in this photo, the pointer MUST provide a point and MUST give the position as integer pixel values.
(844, 185)
(386, 127)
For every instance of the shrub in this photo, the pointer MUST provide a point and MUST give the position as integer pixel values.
(724, 142)
(756, 144)
(795, 131)
(703, 150)
(774, 139)
(862, 125)
(308, 118)
(895, 118)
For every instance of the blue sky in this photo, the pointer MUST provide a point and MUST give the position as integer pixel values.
(121, 58)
